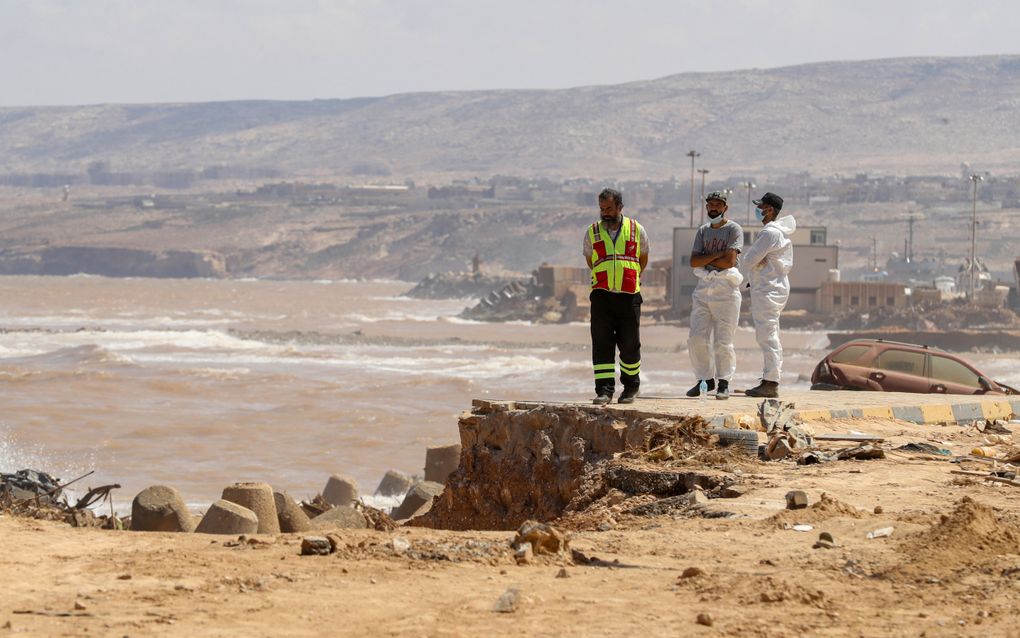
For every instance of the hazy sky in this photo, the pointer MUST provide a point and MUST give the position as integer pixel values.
(89, 51)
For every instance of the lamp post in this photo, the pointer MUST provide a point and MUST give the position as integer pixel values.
(692, 154)
(703, 171)
(748, 185)
(973, 233)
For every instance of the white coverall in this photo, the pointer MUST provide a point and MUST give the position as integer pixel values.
(714, 315)
(768, 262)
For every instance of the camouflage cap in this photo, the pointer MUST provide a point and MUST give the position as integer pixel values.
(720, 195)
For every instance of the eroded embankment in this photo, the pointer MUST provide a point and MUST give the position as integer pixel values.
(548, 461)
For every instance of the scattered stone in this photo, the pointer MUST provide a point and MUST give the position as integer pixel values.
(605, 526)
(291, 517)
(524, 554)
(733, 491)
(334, 543)
(441, 461)
(419, 495)
(257, 497)
(79, 605)
(508, 601)
(563, 573)
(160, 508)
(340, 518)
(825, 541)
(705, 619)
(225, 517)
(124, 577)
(340, 491)
(692, 572)
(542, 538)
(394, 483)
(400, 545)
(315, 546)
(796, 499)
(878, 509)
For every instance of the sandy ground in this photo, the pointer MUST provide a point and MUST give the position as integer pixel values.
(951, 567)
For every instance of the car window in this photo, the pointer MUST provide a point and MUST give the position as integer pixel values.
(946, 369)
(851, 354)
(901, 361)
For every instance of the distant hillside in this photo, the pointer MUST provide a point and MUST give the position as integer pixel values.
(909, 114)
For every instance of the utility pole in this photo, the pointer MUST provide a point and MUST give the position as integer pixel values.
(692, 154)
(974, 178)
(703, 171)
(748, 185)
(874, 253)
(910, 239)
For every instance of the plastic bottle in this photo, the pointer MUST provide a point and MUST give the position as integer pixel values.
(988, 452)
(702, 390)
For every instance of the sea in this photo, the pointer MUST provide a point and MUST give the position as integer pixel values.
(198, 383)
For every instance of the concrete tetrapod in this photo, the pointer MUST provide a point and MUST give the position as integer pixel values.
(225, 517)
(421, 494)
(340, 491)
(394, 483)
(441, 461)
(160, 508)
(257, 497)
(292, 518)
(340, 518)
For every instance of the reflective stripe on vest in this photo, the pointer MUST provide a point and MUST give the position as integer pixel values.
(616, 266)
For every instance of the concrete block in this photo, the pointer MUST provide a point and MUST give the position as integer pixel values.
(441, 461)
(257, 497)
(290, 515)
(394, 483)
(225, 517)
(340, 491)
(419, 495)
(340, 518)
(160, 508)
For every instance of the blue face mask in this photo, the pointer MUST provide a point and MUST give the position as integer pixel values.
(759, 214)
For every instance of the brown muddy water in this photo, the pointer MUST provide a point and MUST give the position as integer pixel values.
(201, 383)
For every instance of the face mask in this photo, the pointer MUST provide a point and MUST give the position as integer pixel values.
(715, 216)
(759, 214)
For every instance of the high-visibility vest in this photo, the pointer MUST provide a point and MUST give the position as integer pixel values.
(616, 267)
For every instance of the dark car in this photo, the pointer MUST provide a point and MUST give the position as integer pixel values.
(890, 366)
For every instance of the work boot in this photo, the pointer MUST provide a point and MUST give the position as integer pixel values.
(602, 397)
(696, 390)
(723, 392)
(629, 394)
(764, 390)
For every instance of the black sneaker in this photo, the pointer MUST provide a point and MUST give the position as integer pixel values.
(696, 390)
(764, 390)
(723, 392)
(628, 395)
(603, 398)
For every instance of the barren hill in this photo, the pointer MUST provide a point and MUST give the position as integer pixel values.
(917, 113)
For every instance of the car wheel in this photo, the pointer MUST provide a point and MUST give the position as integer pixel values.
(746, 441)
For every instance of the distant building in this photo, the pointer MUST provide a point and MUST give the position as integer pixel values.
(841, 296)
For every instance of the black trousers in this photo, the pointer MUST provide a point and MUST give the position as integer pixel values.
(615, 324)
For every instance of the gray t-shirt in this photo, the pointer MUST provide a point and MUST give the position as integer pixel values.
(710, 240)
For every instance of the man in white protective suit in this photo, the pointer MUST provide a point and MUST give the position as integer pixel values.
(715, 306)
(768, 262)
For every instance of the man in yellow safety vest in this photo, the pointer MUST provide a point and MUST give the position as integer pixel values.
(616, 249)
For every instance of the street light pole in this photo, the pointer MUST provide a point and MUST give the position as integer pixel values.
(703, 171)
(973, 234)
(748, 185)
(692, 154)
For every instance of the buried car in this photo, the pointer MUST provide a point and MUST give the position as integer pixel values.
(891, 366)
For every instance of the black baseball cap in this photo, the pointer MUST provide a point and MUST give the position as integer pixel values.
(770, 199)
